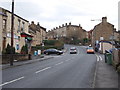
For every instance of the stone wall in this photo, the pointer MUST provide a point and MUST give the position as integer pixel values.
(6, 58)
(116, 56)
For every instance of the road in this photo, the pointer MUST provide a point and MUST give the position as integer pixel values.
(62, 71)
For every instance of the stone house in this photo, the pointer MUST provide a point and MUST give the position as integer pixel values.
(38, 32)
(89, 36)
(20, 26)
(43, 34)
(102, 31)
(116, 36)
(67, 31)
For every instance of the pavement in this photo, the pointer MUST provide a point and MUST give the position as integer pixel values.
(106, 75)
(34, 59)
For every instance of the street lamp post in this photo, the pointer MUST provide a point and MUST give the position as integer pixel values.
(12, 33)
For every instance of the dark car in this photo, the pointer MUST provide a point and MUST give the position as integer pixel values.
(53, 51)
(73, 50)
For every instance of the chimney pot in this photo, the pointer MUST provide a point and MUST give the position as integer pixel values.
(32, 22)
(66, 24)
(70, 23)
(104, 19)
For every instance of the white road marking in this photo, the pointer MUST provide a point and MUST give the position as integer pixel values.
(97, 57)
(11, 81)
(58, 63)
(68, 60)
(100, 58)
(43, 69)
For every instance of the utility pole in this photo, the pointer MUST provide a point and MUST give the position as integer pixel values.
(94, 35)
(12, 33)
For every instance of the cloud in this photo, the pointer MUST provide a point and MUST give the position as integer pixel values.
(52, 13)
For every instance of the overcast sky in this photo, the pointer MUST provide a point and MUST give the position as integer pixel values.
(52, 13)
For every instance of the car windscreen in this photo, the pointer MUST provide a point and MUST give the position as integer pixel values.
(90, 48)
(72, 48)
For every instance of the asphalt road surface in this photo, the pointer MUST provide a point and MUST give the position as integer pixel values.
(62, 71)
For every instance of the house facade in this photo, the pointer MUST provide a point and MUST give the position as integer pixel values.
(67, 31)
(43, 35)
(38, 32)
(102, 31)
(20, 26)
(89, 36)
(1, 26)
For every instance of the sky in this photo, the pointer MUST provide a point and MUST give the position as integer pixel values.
(54, 13)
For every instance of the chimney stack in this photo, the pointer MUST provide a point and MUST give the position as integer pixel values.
(62, 25)
(38, 24)
(70, 23)
(104, 19)
(66, 24)
(32, 22)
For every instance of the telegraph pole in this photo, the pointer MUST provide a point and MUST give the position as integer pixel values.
(12, 33)
(93, 43)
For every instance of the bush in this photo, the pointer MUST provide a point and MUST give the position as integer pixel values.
(24, 49)
(46, 47)
(9, 50)
(49, 42)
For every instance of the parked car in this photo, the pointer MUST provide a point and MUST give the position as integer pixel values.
(53, 51)
(73, 50)
(90, 50)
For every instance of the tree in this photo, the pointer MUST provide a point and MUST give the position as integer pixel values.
(85, 40)
(9, 50)
(24, 49)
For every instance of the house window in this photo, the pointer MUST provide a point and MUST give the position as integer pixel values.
(22, 29)
(18, 25)
(4, 24)
(17, 46)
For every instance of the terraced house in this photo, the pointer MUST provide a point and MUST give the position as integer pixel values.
(67, 32)
(20, 26)
(38, 32)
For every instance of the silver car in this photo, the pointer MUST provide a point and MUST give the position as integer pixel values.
(73, 50)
